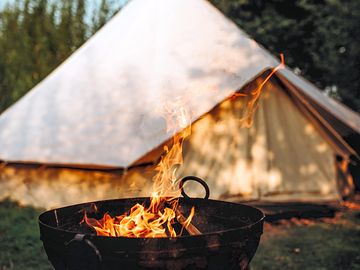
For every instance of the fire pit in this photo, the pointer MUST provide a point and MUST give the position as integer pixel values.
(230, 234)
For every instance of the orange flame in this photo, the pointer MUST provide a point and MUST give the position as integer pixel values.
(255, 94)
(158, 218)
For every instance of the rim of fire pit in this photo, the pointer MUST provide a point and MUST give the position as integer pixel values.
(244, 227)
(65, 240)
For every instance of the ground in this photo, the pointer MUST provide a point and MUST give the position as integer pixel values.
(295, 244)
(324, 244)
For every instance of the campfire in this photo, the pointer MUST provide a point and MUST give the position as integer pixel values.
(221, 234)
(158, 218)
(163, 231)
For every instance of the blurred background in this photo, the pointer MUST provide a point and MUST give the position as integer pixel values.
(319, 38)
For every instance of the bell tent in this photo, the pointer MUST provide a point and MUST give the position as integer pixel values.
(92, 129)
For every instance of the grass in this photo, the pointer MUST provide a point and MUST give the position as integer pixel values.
(20, 245)
(333, 244)
(330, 244)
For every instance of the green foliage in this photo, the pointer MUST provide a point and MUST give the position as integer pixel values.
(103, 15)
(319, 37)
(36, 36)
(20, 243)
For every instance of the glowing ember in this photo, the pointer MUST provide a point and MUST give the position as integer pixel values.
(157, 219)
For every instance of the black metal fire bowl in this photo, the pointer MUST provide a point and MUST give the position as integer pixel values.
(230, 236)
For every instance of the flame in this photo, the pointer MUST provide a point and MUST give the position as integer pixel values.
(255, 94)
(157, 219)
(188, 220)
(139, 222)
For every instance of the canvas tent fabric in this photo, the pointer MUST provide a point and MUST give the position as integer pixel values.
(113, 86)
(101, 109)
(281, 156)
(338, 110)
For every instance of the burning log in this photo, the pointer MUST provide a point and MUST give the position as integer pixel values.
(186, 222)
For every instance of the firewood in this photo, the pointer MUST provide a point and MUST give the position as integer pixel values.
(191, 229)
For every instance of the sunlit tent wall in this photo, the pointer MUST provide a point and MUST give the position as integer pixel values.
(285, 155)
(93, 129)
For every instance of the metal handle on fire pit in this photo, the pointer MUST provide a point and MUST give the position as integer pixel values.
(196, 179)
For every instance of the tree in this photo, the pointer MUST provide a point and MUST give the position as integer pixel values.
(80, 27)
(36, 36)
(318, 37)
(101, 16)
